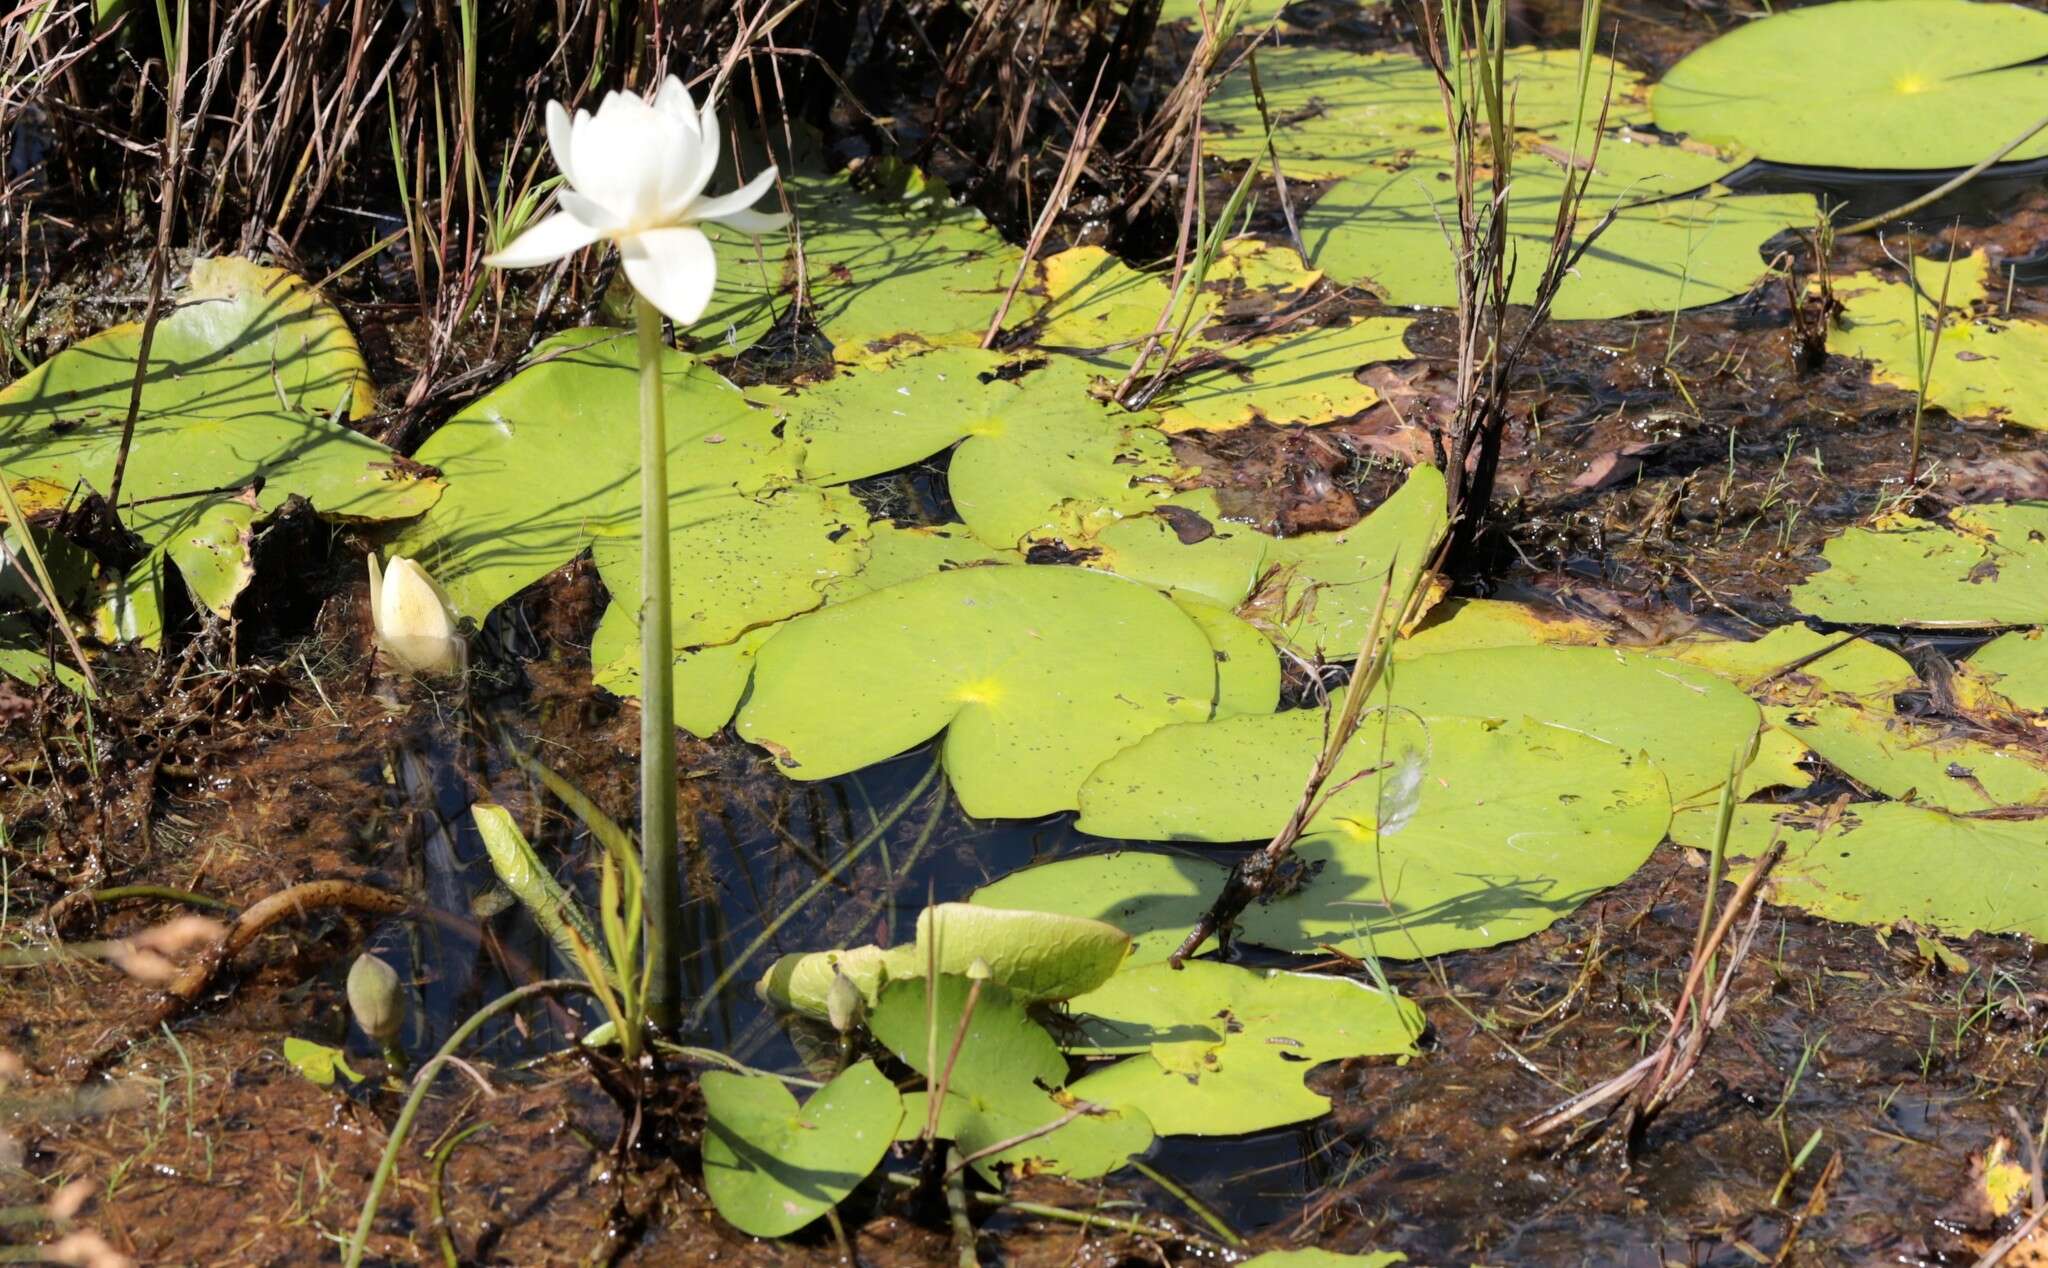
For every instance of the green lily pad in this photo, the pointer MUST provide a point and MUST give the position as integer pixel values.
(549, 462)
(249, 375)
(709, 681)
(1005, 1080)
(1338, 113)
(318, 1062)
(1881, 863)
(1056, 463)
(1984, 566)
(2014, 668)
(1313, 593)
(895, 267)
(1307, 376)
(737, 562)
(1247, 666)
(867, 420)
(1795, 663)
(1463, 625)
(1266, 1032)
(28, 657)
(1690, 722)
(772, 1167)
(1677, 240)
(1901, 84)
(1154, 897)
(1036, 674)
(1992, 366)
(1907, 761)
(1506, 827)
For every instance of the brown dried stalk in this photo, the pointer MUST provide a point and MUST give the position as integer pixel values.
(1648, 1087)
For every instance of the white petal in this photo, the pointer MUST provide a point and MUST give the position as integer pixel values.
(618, 158)
(739, 200)
(673, 100)
(559, 235)
(754, 224)
(674, 268)
(707, 158)
(600, 219)
(679, 148)
(560, 133)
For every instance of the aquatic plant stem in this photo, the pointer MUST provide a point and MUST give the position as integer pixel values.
(388, 1164)
(657, 688)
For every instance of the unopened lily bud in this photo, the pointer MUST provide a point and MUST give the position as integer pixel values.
(844, 1006)
(979, 971)
(375, 998)
(414, 625)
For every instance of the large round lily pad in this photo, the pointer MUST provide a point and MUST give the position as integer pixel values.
(1909, 761)
(250, 375)
(1036, 674)
(1690, 722)
(547, 463)
(1466, 832)
(1986, 565)
(1883, 862)
(1881, 84)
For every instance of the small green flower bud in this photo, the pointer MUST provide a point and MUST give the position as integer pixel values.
(375, 998)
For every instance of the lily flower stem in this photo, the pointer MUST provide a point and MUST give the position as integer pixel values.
(657, 685)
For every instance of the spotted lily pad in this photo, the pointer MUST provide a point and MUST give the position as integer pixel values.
(895, 267)
(1885, 862)
(772, 1166)
(1985, 565)
(1036, 675)
(1988, 365)
(2012, 668)
(249, 378)
(1910, 761)
(1513, 825)
(1305, 376)
(1899, 84)
(1264, 1033)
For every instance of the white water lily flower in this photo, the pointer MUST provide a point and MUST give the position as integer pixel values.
(412, 620)
(635, 173)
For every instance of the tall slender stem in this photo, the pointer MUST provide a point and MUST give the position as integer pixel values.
(657, 686)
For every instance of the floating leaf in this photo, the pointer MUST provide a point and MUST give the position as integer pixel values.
(2013, 668)
(1154, 897)
(1036, 674)
(249, 375)
(1461, 625)
(1247, 666)
(28, 657)
(1517, 823)
(1305, 376)
(318, 1062)
(1989, 366)
(895, 267)
(1314, 593)
(1985, 565)
(865, 421)
(548, 462)
(1267, 1032)
(1696, 244)
(1907, 761)
(1793, 663)
(1690, 722)
(772, 1167)
(709, 681)
(1881, 863)
(1004, 1082)
(1902, 84)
